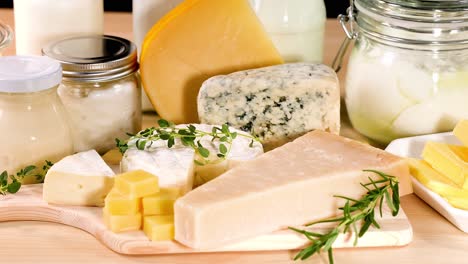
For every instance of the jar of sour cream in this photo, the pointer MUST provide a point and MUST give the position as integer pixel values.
(100, 89)
(408, 71)
(33, 122)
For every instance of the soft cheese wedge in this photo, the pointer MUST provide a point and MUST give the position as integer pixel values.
(195, 41)
(449, 160)
(461, 132)
(83, 179)
(291, 185)
(277, 103)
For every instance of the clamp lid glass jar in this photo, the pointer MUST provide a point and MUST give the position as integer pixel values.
(32, 119)
(408, 72)
(100, 89)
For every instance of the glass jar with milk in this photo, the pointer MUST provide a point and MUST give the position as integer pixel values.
(33, 124)
(296, 27)
(408, 71)
(39, 22)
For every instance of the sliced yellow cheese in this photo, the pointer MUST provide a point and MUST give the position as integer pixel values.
(161, 203)
(136, 184)
(195, 41)
(159, 228)
(435, 181)
(449, 160)
(461, 132)
(121, 223)
(119, 204)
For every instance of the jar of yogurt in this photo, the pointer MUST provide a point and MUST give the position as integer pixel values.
(33, 122)
(408, 71)
(100, 89)
(5, 36)
(296, 27)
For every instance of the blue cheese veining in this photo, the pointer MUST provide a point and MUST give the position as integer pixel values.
(277, 103)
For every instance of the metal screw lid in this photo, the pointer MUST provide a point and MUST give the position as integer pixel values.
(94, 58)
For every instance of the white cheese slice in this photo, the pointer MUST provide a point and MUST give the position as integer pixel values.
(83, 179)
(175, 166)
(291, 185)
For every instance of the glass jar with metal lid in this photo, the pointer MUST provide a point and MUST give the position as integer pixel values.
(408, 71)
(5, 36)
(33, 122)
(100, 89)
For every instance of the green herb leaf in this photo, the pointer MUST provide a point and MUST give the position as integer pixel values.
(163, 123)
(203, 152)
(223, 149)
(14, 187)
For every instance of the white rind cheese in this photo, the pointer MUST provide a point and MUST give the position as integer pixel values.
(289, 186)
(175, 166)
(277, 103)
(83, 179)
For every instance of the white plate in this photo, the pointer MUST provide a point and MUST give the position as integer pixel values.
(413, 147)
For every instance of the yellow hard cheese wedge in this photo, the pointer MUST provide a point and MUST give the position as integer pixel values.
(121, 223)
(461, 132)
(159, 228)
(161, 203)
(449, 160)
(136, 184)
(112, 157)
(195, 41)
(119, 204)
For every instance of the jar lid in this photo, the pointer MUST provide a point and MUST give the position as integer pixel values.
(28, 74)
(5, 35)
(94, 58)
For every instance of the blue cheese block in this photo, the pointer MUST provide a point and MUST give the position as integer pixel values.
(277, 103)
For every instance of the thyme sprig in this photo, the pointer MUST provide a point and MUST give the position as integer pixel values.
(12, 183)
(189, 136)
(385, 188)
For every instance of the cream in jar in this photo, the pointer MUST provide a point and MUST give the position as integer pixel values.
(100, 89)
(32, 118)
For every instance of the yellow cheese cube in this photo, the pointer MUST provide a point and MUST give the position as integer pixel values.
(118, 204)
(461, 132)
(460, 203)
(449, 160)
(159, 228)
(161, 203)
(136, 184)
(121, 223)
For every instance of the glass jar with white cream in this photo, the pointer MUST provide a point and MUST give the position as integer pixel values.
(100, 89)
(5, 37)
(33, 122)
(408, 71)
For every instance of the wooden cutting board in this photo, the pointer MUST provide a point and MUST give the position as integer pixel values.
(27, 205)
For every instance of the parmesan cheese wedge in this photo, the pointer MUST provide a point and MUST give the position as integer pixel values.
(291, 185)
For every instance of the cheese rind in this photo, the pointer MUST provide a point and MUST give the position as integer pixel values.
(195, 41)
(83, 179)
(289, 186)
(276, 103)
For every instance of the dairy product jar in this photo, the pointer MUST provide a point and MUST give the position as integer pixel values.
(146, 13)
(296, 27)
(39, 22)
(408, 70)
(33, 122)
(5, 36)
(100, 89)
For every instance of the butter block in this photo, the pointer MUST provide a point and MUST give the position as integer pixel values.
(159, 228)
(119, 204)
(291, 185)
(161, 203)
(83, 179)
(461, 132)
(277, 103)
(433, 180)
(449, 160)
(136, 184)
(121, 223)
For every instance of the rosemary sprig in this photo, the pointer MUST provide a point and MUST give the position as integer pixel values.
(189, 136)
(385, 188)
(12, 183)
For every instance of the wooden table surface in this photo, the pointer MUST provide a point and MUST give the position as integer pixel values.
(435, 240)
